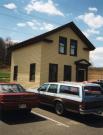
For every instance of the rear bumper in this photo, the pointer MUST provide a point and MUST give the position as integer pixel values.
(16, 105)
(92, 111)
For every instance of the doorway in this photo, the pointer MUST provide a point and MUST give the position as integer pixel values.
(81, 75)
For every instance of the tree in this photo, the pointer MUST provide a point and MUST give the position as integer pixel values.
(5, 53)
(2, 51)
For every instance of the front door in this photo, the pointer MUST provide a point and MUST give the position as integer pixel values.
(81, 75)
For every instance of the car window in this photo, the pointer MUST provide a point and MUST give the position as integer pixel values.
(43, 87)
(92, 90)
(69, 90)
(53, 88)
(11, 88)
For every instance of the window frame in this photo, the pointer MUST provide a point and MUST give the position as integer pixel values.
(31, 73)
(75, 49)
(63, 45)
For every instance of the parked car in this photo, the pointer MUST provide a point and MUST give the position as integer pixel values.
(100, 82)
(15, 97)
(83, 98)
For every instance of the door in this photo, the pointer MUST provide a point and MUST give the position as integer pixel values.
(72, 97)
(53, 72)
(51, 94)
(81, 75)
(42, 92)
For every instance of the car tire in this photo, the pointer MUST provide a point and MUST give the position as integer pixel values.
(26, 111)
(59, 108)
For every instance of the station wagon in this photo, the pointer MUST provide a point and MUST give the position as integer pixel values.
(83, 98)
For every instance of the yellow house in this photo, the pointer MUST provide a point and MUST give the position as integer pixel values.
(58, 55)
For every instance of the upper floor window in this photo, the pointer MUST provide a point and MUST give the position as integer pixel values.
(15, 73)
(62, 45)
(73, 47)
(32, 72)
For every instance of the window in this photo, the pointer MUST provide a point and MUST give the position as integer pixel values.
(93, 90)
(53, 72)
(53, 88)
(73, 47)
(69, 90)
(62, 45)
(15, 73)
(43, 87)
(32, 72)
(67, 73)
(11, 88)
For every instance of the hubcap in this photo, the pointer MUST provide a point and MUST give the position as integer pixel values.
(59, 108)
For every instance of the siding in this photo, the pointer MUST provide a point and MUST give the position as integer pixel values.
(23, 58)
(50, 55)
(42, 54)
(95, 74)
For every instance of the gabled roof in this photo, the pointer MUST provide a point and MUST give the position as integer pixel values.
(82, 61)
(43, 36)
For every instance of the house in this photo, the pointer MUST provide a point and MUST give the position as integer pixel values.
(58, 55)
(95, 73)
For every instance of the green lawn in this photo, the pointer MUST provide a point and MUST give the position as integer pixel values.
(5, 75)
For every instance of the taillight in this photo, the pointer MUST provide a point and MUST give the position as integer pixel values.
(1, 98)
(82, 106)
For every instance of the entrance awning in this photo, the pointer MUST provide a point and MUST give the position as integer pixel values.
(82, 70)
(83, 62)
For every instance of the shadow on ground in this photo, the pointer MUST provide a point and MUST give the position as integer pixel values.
(90, 120)
(13, 118)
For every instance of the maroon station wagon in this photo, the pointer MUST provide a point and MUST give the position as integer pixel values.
(15, 97)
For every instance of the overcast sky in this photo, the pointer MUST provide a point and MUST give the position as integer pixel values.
(23, 19)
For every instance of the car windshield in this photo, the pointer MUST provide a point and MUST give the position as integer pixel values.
(11, 88)
(93, 90)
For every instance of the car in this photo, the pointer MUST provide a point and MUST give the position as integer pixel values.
(100, 82)
(14, 97)
(82, 98)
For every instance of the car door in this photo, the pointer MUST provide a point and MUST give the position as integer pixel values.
(42, 92)
(70, 95)
(51, 94)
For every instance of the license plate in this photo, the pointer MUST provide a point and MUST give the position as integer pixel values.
(22, 106)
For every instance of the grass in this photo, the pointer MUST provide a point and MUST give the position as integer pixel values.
(4, 74)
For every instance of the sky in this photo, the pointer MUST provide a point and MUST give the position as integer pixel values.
(23, 19)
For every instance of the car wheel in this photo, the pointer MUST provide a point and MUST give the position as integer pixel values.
(59, 108)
